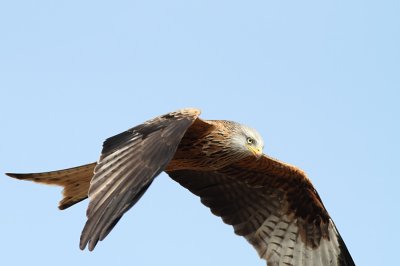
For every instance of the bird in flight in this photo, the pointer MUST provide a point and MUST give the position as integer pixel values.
(270, 203)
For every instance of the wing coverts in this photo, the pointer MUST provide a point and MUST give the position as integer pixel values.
(128, 164)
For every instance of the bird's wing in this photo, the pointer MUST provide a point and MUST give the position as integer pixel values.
(127, 166)
(275, 207)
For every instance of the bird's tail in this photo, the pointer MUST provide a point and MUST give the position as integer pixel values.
(76, 182)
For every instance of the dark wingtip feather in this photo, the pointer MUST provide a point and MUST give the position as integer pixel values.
(344, 256)
(22, 176)
(82, 243)
(13, 175)
(92, 244)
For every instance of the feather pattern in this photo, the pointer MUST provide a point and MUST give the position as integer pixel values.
(128, 164)
(260, 199)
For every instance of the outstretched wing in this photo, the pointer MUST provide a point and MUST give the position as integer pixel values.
(275, 207)
(128, 164)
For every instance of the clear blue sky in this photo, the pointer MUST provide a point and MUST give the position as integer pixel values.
(319, 79)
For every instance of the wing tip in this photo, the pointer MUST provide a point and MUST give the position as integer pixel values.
(89, 243)
(82, 245)
(17, 176)
(344, 257)
(83, 241)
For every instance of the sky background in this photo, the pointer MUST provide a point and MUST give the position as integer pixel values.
(320, 80)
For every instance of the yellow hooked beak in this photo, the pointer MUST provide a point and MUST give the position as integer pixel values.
(256, 151)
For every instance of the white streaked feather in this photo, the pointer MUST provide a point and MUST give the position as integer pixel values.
(109, 187)
(324, 255)
(288, 243)
(298, 252)
(279, 242)
(106, 166)
(115, 169)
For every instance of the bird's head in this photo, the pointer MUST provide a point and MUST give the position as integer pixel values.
(248, 141)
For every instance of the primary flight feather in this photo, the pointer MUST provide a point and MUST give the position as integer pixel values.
(270, 203)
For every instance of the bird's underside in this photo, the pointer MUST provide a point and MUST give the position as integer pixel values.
(270, 203)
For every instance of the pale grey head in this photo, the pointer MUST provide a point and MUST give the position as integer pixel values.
(247, 140)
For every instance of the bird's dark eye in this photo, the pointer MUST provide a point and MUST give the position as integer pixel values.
(250, 140)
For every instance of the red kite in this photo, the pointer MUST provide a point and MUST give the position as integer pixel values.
(270, 203)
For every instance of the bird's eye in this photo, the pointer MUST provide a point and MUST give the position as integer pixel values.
(250, 141)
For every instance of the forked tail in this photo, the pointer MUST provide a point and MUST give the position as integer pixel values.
(76, 182)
